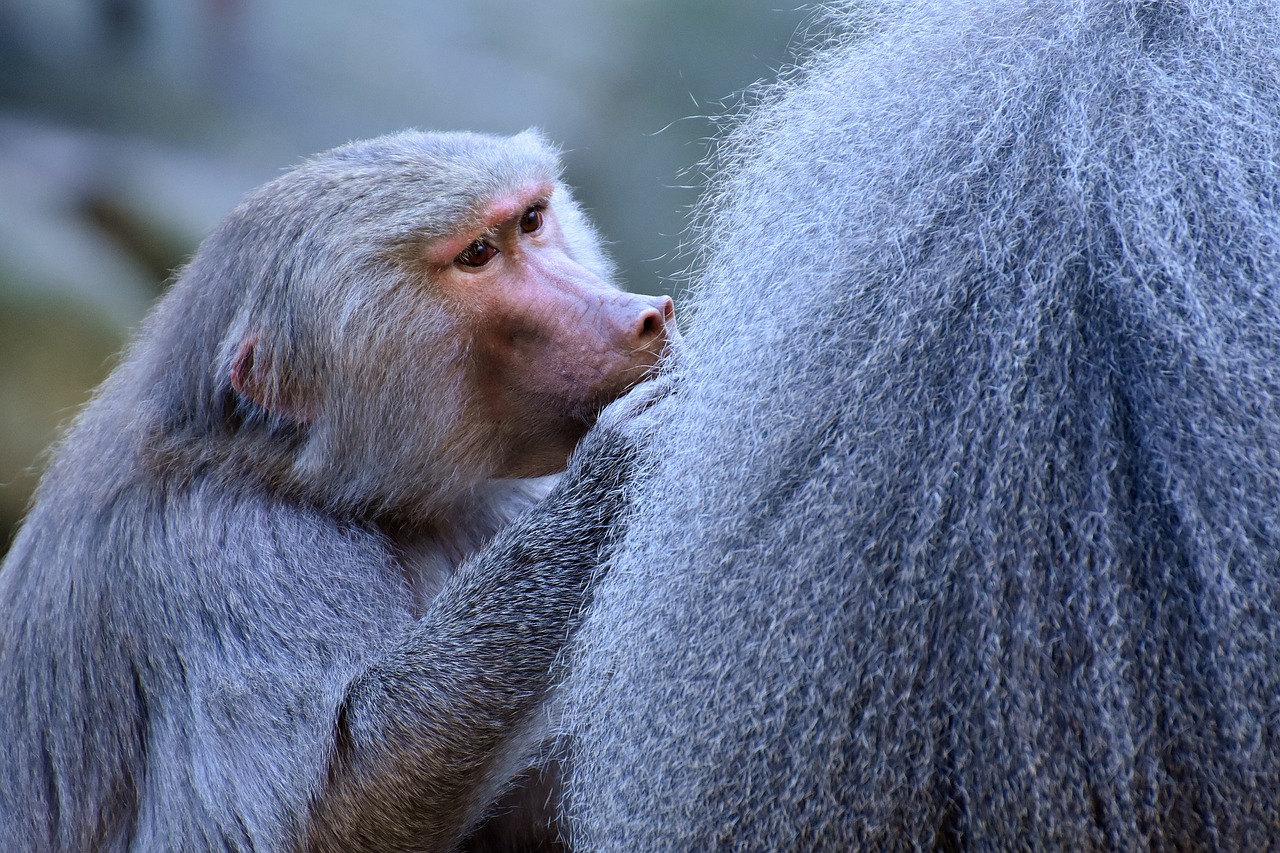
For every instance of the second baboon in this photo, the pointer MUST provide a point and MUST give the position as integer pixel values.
(963, 528)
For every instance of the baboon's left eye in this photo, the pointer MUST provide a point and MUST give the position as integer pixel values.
(531, 222)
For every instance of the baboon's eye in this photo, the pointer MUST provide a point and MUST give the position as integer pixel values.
(477, 254)
(531, 222)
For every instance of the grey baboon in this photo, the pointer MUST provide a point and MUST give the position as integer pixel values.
(234, 618)
(963, 525)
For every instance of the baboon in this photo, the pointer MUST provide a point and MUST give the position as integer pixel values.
(962, 525)
(235, 617)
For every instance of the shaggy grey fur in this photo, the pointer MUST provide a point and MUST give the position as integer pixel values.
(963, 528)
(209, 632)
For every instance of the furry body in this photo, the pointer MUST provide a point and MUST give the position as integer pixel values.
(963, 526)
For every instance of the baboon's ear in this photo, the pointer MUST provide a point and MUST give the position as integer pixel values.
(259, 375)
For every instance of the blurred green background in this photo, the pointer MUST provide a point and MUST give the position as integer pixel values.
(128, 128)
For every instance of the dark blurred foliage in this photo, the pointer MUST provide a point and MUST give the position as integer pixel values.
(129, 127)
